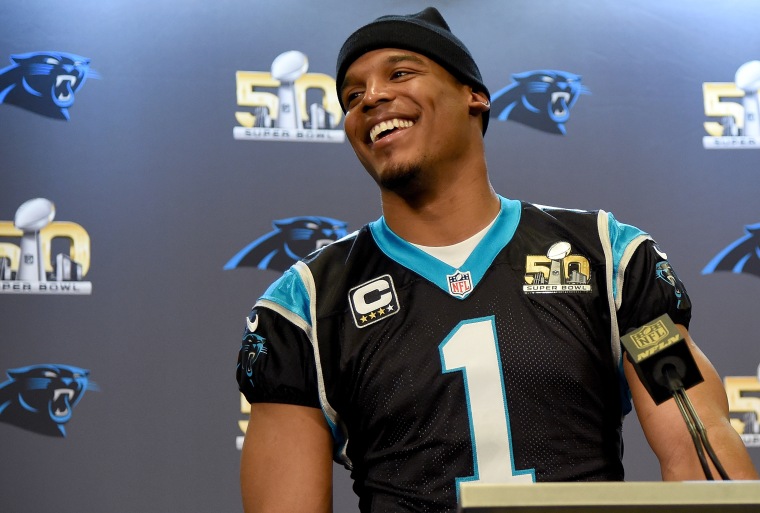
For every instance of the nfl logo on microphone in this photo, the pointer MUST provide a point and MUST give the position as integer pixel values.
(460, 284)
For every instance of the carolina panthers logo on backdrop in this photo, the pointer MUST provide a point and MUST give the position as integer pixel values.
(541, 99)
(44, 82)
(291, 240)
(741, 256)
(40, 398)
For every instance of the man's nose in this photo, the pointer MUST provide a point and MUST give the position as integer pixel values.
(377, 92)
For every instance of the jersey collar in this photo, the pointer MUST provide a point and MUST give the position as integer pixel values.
(436, 271)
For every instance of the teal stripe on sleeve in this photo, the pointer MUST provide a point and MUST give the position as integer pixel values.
(621, 236)
(289, 291)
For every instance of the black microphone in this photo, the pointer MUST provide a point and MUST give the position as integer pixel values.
(666, 368)
(656, 347)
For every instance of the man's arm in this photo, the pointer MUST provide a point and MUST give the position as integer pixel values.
(286, 465)
(668, 436)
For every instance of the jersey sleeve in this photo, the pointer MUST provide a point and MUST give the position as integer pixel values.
(651, 288)
(276, 361)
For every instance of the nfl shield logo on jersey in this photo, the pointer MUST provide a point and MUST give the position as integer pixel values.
(460, 284)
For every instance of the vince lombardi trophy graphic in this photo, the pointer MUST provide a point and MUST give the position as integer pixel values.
(31, 217)
(287, 68)
(748, 80)
(556, 253)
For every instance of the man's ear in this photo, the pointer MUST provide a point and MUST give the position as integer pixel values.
(479, 103)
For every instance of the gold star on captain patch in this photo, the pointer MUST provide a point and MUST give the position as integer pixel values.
(381, 311)
(363, 318)
(372, 315)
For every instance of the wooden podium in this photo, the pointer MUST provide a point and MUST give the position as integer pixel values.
(618, 497)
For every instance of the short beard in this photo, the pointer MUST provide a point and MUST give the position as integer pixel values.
(402, 179)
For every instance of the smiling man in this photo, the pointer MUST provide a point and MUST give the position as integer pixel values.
(463, 336)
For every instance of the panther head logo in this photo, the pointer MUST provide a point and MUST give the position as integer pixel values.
(253, 347)
(741, 256)
(541, 99)
(665, 272)
(291, 240)
(44, 82)
(41, 398)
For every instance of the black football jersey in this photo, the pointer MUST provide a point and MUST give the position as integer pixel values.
(507, 368)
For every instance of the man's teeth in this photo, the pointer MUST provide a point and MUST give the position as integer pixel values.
(388, 125)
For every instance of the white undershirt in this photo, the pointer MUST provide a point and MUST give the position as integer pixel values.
(456, 254)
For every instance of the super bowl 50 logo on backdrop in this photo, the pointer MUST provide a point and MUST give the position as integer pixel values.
(743, 394)
(28, 268)
(278, 102)
(737, 109)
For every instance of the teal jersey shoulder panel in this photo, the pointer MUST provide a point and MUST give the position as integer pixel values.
(290, 292)
(621, 237)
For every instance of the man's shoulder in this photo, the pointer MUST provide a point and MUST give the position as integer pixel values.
(338, 249)
(544, 215)
(330, 262)
(560, 212)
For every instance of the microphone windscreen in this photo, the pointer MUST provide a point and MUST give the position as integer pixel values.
(656, 346)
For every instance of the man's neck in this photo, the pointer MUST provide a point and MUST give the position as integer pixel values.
(442, 217)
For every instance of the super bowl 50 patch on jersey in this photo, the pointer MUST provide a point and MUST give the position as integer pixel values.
(558, 271)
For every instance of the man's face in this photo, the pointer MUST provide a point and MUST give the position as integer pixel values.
(405, 114)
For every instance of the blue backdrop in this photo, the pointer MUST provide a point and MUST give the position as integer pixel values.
(180, 190)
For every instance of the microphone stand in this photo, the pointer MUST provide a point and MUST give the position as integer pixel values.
(693, 424)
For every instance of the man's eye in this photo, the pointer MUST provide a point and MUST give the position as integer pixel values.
(399, 74)
(352, 98)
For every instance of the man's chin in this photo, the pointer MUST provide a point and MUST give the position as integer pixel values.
(400, 179)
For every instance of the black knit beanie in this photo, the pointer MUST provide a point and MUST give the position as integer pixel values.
(426, 33)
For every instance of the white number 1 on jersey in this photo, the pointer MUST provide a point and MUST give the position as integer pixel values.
(472, 348)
